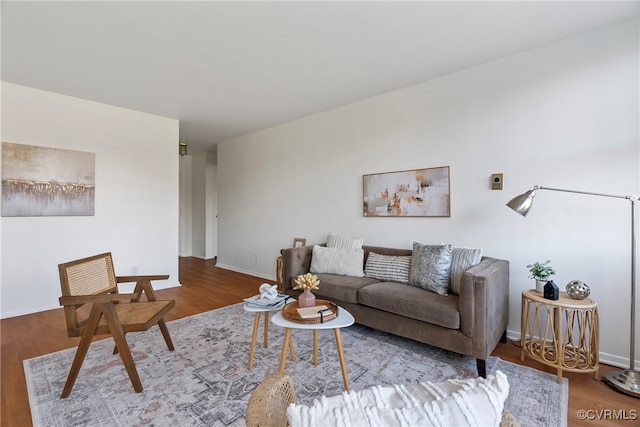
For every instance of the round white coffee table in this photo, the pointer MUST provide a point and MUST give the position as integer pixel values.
(343, 320)
(256, 324)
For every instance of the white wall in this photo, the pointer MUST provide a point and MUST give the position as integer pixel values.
(563, 115)
(136, 207)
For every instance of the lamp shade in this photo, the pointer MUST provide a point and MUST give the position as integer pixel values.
(522, 203)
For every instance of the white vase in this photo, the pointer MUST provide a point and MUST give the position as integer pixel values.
(540, 285)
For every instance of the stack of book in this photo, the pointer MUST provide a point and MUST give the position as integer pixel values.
(313, 312)
(273, 304)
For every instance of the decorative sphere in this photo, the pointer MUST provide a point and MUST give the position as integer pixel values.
(577, 289)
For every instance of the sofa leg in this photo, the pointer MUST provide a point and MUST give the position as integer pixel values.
(482, 367)
(503, 338)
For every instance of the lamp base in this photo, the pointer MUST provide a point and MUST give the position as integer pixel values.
(626, 381)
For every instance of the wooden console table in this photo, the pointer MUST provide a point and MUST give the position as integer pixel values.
(563, 333)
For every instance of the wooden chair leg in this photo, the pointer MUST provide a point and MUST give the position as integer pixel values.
(165, 333)
(137, 291)
(81, 353)
(123, 347)
(144, 286)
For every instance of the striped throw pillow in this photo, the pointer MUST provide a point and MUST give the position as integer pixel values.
(388, 268)
(461, 260)
(342, 241)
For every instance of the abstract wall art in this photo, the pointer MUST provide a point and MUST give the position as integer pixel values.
(418, 192)
(41, 181)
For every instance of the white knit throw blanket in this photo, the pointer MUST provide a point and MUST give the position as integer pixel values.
(470, 402)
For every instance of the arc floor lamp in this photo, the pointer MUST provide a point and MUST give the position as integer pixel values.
(628, 380)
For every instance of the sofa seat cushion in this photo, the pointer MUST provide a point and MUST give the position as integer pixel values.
(341, 288)
(410, 301)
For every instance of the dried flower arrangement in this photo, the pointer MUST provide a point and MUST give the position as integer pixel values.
(307, 281)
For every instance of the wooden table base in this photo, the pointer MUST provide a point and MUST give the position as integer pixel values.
(265, 342)
(287, 344)
(563, 333)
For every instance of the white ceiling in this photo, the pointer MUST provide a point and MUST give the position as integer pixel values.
(225, 69)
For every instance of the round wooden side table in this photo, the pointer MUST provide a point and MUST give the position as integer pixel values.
(562, 333)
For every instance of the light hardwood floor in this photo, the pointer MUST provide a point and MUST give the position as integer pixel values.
(207, 287)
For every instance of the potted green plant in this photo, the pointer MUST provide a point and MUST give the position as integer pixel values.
(541, 271)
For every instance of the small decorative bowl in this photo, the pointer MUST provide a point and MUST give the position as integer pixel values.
(577, 289)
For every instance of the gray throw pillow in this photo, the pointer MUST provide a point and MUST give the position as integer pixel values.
(431, 267)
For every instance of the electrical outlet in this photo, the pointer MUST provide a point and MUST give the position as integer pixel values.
(134, 269)
(256, 257)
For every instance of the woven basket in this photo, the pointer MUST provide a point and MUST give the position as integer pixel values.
(290, 312)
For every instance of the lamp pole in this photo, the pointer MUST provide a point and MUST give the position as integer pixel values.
(628, 380)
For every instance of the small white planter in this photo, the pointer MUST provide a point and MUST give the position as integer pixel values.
(540, 285)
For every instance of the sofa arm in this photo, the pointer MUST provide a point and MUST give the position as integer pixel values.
(296, 261)
(484, 304)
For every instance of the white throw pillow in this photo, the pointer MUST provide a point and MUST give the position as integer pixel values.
(469, 402)
(462, 259)
(342, 241)
(343, 261)
(388, 267)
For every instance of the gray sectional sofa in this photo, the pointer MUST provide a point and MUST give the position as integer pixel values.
(470, 323)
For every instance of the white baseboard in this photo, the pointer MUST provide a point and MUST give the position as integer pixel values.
(248, 272)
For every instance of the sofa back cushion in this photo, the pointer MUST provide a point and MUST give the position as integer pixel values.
(340, 289)
(385, 251)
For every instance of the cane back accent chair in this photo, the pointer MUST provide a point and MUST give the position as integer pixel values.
(268, 403)
(93, 306)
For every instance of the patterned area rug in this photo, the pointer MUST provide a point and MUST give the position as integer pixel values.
(205, 381)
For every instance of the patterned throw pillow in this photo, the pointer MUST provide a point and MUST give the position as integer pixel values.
(343, 261)
(342, 241)
(461, 260)
(388, 268)
(431, 267)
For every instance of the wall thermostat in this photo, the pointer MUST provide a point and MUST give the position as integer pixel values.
(496, 181)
